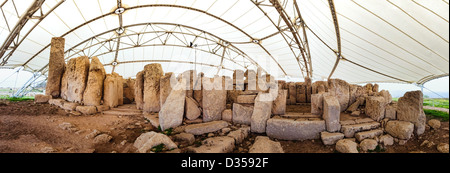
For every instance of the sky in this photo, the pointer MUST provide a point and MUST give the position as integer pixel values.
(439, 86)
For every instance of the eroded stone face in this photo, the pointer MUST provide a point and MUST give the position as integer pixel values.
(111, 92)
(165, 87)
(410, 108)
(242, 114)
(400, 129)
(171, 114)
(261, 113)
(214, 99)
(152, 76)
(56, 67)
(139, 90)
(341, 89)
(77, 75)
(375, 108)
(331, 113)
(94, 89)
(279, 104)
(192, 109)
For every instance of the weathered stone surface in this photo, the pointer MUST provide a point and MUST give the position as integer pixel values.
(186, 138)
(39, 98)
(292, 93)
(331, 138)
(331, 113)
(443, 148)
(198, 89)
(56, 67)
(317, 104)
(192, 109)
(128, 90)
(110, 91)
(94, 89)
(435, 124)
(242, 114)
(410, 108)
(239, 135)
(375, 108)
(191, 78)
(279, 104)
(387, 140)
(364, 120)
(264, 145)
(77, 75)
(56, 102)
(391, 111)
(400, 129)
(368, 145)
(203, 128)
(214, 99)
(102, 139)
(147, 141)
(261, 113)
(286, 129)
(350, 130)
(246, 99)
(340, 89)
(300, 92)
(346, 146)
(368, 134)
(386, 95)
(368, 89)
(227, 115)
(70, 106)
(319, 86)
(171, 114)
(222, 144)
(356, 113)
(353, 107)
(87, 110)
(152, 77)
(356, 91)
(375, 88)
(139, 90)
(165, 87)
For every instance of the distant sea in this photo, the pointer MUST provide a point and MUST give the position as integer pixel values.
(398, 94)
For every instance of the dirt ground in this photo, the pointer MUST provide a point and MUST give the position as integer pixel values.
(26, 127)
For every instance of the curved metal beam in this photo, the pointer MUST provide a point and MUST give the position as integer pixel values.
(338, 37)
(424, 80)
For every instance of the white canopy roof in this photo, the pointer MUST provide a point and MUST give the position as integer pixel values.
(402, 41)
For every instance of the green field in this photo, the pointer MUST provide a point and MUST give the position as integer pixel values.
(443, 116)
(16, 99)
(440, 103)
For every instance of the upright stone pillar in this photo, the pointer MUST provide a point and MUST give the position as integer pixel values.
(55, 67)
(139, 90)
(94, 90)
(165, 88)
(152, 77)
(77, 78)
(110, 96)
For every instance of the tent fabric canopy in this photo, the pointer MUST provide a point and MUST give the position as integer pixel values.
(399, 41)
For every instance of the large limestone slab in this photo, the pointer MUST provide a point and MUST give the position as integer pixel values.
(331, 138)
(110, 90)
(198, 93)
(368, 134)
(400, 129)
(375, 108)
(172, 112)
(264, 145)
(203, 128)
(139, 90)
(152, 76)
(341, 89)
(317, 104)
(279, 104)
(192, 109)
(214, 99)
(165, 87)
(350, 130)
(391, 111)
(246, 99)
(331, 113)
(222, 144)
(242, 114)
(410, 108)
(94, 89)
(56, 67)
(286, 129)
(300, 92)
(78, 69)
(261, 112)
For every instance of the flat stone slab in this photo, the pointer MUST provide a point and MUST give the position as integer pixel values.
(287, 129)
(264, 145)
(350, 130)
(222, 144)
(121, 113)
(153, 118)
(203, 128)
(368, 134)
(331, 138)
(364, 120)
(296, 115)
(127, 110)
(347, 122)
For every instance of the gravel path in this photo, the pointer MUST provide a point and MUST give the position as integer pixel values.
(435, 108)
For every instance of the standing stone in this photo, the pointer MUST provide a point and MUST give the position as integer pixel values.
(292, 92)
(279, 104)
(191, 77)
(261, 113)
(192, 109)
(110, 88)
(214, 99)
(77, 76)
(340, 89)
(242, 114)
(171, 114)
(119, 88)
(375, 108)
(410, 108)
(152, 76)
(165, 87)
(331, 113)
(139, 90)
(308, 89)
(391, 111)
(300, 92)
(55, 67)
(64, 81)
(94, 89)
(317, 104)
(198, 89)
